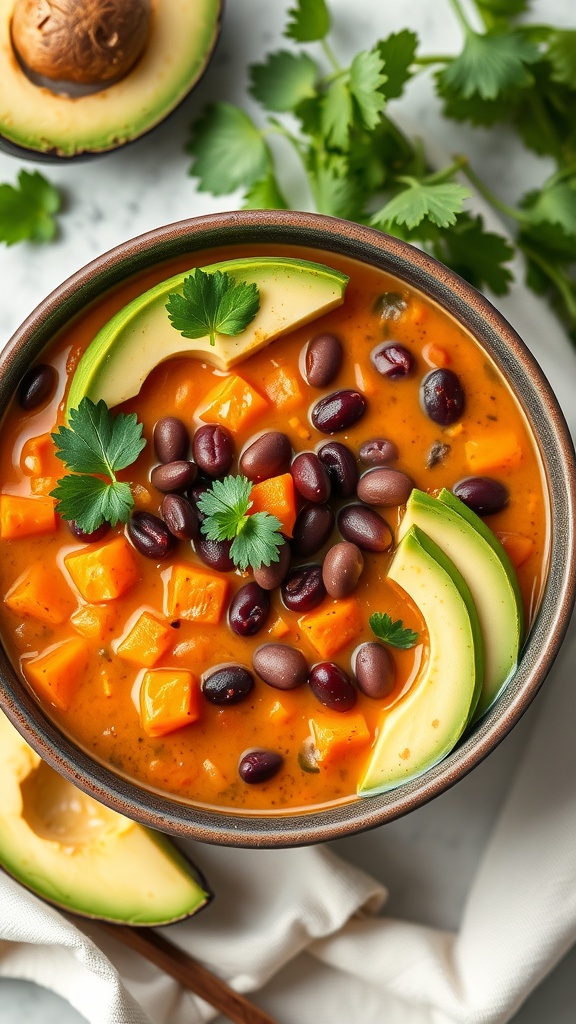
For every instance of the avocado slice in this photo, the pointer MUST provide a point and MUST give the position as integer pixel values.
(479, 556)
(38, 120)
(120, 357)
(81, 856)
(428, 721)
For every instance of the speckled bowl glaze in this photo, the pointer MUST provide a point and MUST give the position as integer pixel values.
(533, 392)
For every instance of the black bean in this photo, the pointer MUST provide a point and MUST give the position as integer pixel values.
(310, 477)
(213, 449)
(88, 538)
(303, 588)
(313, 526)
(195, 493)
(332, 687)
(257, 766)
(484, 495)
(385, 486)
(338, 411)
(342, 468)
(174, 476)
(364, 527)
(342, 569)
(392, 360)
(378, 451)
(228, 685)
(271, 576)
(249, 609)
(442, 397)
(180, 517)
(322, 360)
(150, 536)
(375, 670)
(36, 386)
(280, 666)
(215, 553)
(171, 439)
(269, 455)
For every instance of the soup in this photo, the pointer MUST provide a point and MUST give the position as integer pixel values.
(189, 675)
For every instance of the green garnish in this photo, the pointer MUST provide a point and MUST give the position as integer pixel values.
(96, 445)
(212, 304)
(393, 633)
(256, 538)
(27, 210)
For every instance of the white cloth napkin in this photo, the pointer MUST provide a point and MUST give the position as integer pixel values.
(302, 922)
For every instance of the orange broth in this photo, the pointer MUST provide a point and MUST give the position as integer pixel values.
(199, 763)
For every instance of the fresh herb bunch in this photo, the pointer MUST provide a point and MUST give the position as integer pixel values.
(256, 539)
(391, 632)
(360, 164)
(213, 304)
(27, 209)
(95, 447)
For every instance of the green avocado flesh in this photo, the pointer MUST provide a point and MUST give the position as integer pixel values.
(428, 721)
(123, 353)
(81, 856)
(182, 37)
(478, 555)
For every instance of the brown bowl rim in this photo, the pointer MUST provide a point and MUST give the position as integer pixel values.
(546, 420)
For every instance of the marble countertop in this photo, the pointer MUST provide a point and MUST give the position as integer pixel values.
(428, 858)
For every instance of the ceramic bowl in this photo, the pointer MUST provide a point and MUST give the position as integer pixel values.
(533, 392)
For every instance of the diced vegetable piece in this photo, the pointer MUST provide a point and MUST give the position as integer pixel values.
(335, 735)
(94, 621)
(142, 497)
(280, 713)
(281, 387)
(517, 547)
(42, 484)
(300, 429)
(332, 626)
(169, 700)
(105, 572)
(146, 642)
(35, 456)
(278, 628)
(233, 404)
(35, 594)
(22, 517)
(435, 355)
(493, 451)
(195, 594)
(276, 496)
(58, 672)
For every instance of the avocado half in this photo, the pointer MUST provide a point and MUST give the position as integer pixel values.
(36, 122)
(82, 857)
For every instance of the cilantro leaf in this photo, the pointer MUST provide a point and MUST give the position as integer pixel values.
(337, 114)
(336, 192)
(90, 501)
(265, 194)
(228, 149)
(366, 80)
(27, 210)
(284, 80)
(489, 65)
(212, 304)
(554, 204)
(392, 633)
(256, 539)
(439, 203)
(397, 53)
(310, 21)
(475, 254)
(504, 8)
(562, 56)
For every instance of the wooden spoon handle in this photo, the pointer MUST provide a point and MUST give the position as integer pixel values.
(190, 973)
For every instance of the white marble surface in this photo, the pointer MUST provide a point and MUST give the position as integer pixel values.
(428, 858)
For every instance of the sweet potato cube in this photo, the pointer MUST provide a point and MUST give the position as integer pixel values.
(517, 547)
(279, 628)
(335, 735)
(280, 713)
(195, 594)
(146, 642)
(94, 621)
(233, 403)
(57, 673)
(332, 626)
(36, 453)
(493, 451)
(276, 496)
(169, 700)
(282, 388)
(36, 595)
(105, 572)
(23, 517)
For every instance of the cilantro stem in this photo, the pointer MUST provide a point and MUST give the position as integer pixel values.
(461, 17)
(509, 211)
(331, 56)
(432, 58)
(446, 173)
(561, 282)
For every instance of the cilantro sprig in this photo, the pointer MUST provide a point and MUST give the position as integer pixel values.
(95, 447)
(392, 632)
(27, 209)
(212, 304)
(256, 539)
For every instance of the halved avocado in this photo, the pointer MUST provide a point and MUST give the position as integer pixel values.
(485, 566)
(139, 336)
(37, 120)
(428, 721)
(81, 856)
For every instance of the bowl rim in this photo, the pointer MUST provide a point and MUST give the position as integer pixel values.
(534, 394)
